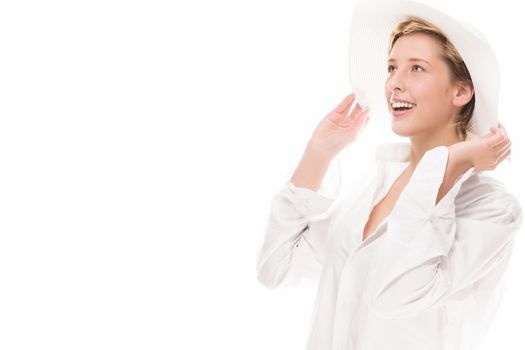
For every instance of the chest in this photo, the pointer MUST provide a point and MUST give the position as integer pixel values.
(383, 208)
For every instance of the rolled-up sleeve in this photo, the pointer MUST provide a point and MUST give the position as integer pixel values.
(296, 231)
(428, 253)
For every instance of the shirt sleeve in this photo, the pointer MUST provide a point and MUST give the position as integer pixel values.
(297, 230)
(430, 255)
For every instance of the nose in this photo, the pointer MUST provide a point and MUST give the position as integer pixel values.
(394, 82)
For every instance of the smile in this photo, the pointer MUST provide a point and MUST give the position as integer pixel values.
(401, 112)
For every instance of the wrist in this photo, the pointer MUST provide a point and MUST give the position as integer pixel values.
(316, 150)
(459, 163)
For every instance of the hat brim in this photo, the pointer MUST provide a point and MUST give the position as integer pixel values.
(371, 25)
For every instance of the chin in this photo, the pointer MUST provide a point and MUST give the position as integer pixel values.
(402, 130)
(401, 133)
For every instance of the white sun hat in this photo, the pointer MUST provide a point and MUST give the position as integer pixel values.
(371, 24)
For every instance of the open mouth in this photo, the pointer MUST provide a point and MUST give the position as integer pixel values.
(402, 111)
(402, 108)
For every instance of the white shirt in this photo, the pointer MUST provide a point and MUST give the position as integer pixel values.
(429, 277)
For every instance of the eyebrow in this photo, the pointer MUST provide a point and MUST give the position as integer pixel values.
(410, 59)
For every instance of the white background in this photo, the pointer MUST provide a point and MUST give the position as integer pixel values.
(140, 145)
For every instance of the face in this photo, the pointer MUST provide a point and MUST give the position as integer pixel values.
(426, 83)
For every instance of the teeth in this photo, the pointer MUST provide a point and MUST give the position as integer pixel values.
(402, 104)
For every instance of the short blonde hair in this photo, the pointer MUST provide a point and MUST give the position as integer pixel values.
(457, 67)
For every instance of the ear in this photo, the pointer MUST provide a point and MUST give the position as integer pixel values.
(463, 93)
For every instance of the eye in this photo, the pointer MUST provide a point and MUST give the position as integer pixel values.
(389, 70)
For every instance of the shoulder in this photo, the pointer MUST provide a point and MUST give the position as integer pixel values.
(484, 197)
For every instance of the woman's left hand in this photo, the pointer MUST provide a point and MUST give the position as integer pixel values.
(484, 153)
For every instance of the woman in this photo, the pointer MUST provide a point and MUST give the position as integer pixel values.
(414, 260)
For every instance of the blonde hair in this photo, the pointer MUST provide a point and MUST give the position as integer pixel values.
(457, 67)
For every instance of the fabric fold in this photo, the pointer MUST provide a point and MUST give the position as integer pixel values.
(297, 231)
(430, 254)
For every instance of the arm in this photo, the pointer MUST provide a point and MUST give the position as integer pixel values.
(429, 254)
(293, 226)
(297, 229)
(311, 169)
(455, 168)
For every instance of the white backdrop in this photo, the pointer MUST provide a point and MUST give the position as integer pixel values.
(140, 145)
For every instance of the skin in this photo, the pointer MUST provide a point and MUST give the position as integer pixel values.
(429, 84)
(438, 100)
(430, 87)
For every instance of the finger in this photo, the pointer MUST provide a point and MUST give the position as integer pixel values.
(356, 112)
(362, 120)
(502, 148)
(491, 133)
(501, 128)
(504, 130)
(504, 155)
(365, 115)
(497, 138)
(351, 118)
(345, 104)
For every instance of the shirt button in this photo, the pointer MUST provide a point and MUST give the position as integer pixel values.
(346, 305)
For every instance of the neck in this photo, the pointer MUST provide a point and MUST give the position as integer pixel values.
(423, 143)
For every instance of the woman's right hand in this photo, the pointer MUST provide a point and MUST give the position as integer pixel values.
(339, 128)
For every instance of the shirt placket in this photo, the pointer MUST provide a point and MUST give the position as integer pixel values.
(347, 302)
